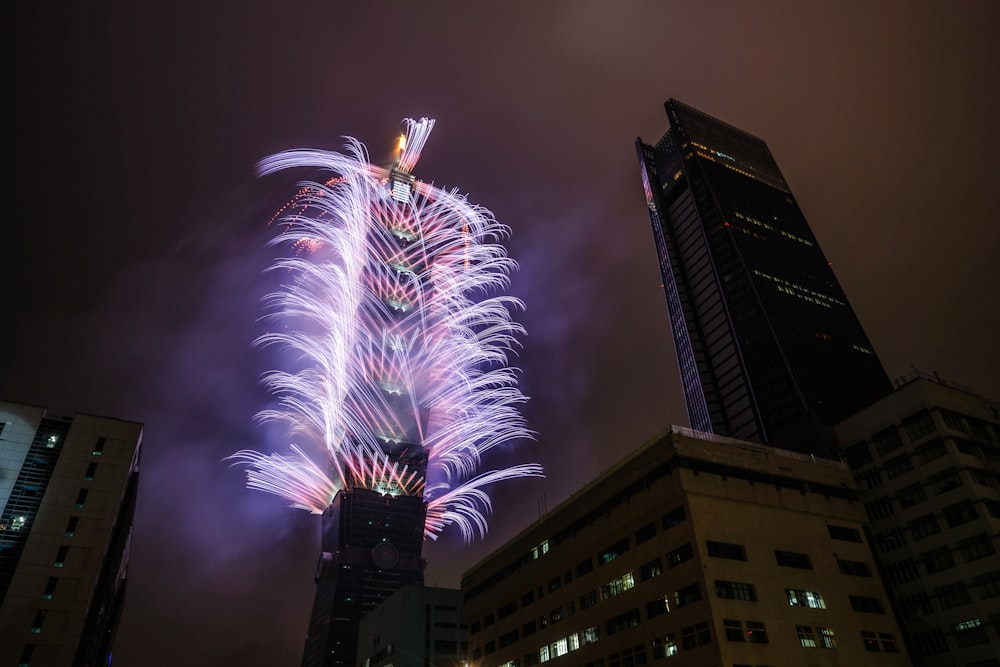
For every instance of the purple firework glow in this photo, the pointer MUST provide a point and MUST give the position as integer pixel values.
(401, 338)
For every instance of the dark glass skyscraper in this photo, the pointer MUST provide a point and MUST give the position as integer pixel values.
(769, 349)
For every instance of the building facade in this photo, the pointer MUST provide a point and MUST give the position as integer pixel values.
(927, 462)
(67, 492)
(417, 625)
(371, 545)
(699, 549)
(768, 346)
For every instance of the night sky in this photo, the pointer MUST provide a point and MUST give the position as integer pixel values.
(135, 251)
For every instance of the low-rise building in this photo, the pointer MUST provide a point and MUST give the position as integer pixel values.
(698, 549)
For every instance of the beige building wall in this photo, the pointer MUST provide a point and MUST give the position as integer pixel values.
(71, 554)
(927, 462)
(673, 556)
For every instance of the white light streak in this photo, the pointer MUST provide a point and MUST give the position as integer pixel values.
(403, 337)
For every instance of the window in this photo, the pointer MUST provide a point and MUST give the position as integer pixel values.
(651, 569)
(613, 551)
(976, 547)
(591, 635)
(507, 609)
(687, 595)
(726, 550)
(792, 559)
(987, 585)
(556, 615)
(858, 455)
(679, 555)
(554, 583)
(944, 482)
(960, 513)
(36, 625)
(696, 635)
(629, 619)
(89, 474)
(488, 620)
(508, 638)
(628, 657)
(490, 647)
(645, 533)
(527, 598)
(845, 534)
(81, 499)
(887, 441)
(735, 590)
(71, 526)
(826, 639)
(756, 632)
(29, 649)
(617, 586)
(929, 642)
(806, 637)
(937, 560)
(911, 495)
(918, 425)
(99, 446)
(871, 642)
(923, 527)
(50, 588)
(734, 630)
(588, 599)
(898, 466)
(802, 598)
(584, 566)
(673, 517)
(970, 633)
(61, 556)
(528, 628)
(929, 452)
(915, 606)
(664, 647)
(901, 571)
(657, 607)
(854, 568)
(866, 604)
(878, 509)
(952, 595)
(890, 539)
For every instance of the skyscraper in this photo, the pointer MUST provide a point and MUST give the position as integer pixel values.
(401, 381)
(768, 346)
(67, 496)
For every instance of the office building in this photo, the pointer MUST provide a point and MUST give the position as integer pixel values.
(417, 625)
(768, 346)
(927, 462)
(67, 492)
(371, 545)
(696, 548)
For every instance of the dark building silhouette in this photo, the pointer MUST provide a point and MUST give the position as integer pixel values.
(371, 545)
(768, 346)
(67, 496)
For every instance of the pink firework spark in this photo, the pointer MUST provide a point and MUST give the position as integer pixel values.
(398, 316)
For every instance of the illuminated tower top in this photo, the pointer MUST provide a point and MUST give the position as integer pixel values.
(394, 309)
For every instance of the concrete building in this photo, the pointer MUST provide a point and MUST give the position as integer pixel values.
(67, 496)
(696, 548)
(768, 345)
(927, 462)
(417, 625)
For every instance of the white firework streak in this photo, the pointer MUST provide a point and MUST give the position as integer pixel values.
(401, 336)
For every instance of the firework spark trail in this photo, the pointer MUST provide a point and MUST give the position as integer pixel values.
(401, 337)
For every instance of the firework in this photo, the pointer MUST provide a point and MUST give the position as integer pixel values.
(395, 314)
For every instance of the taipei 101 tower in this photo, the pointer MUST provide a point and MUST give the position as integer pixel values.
(393, 310)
